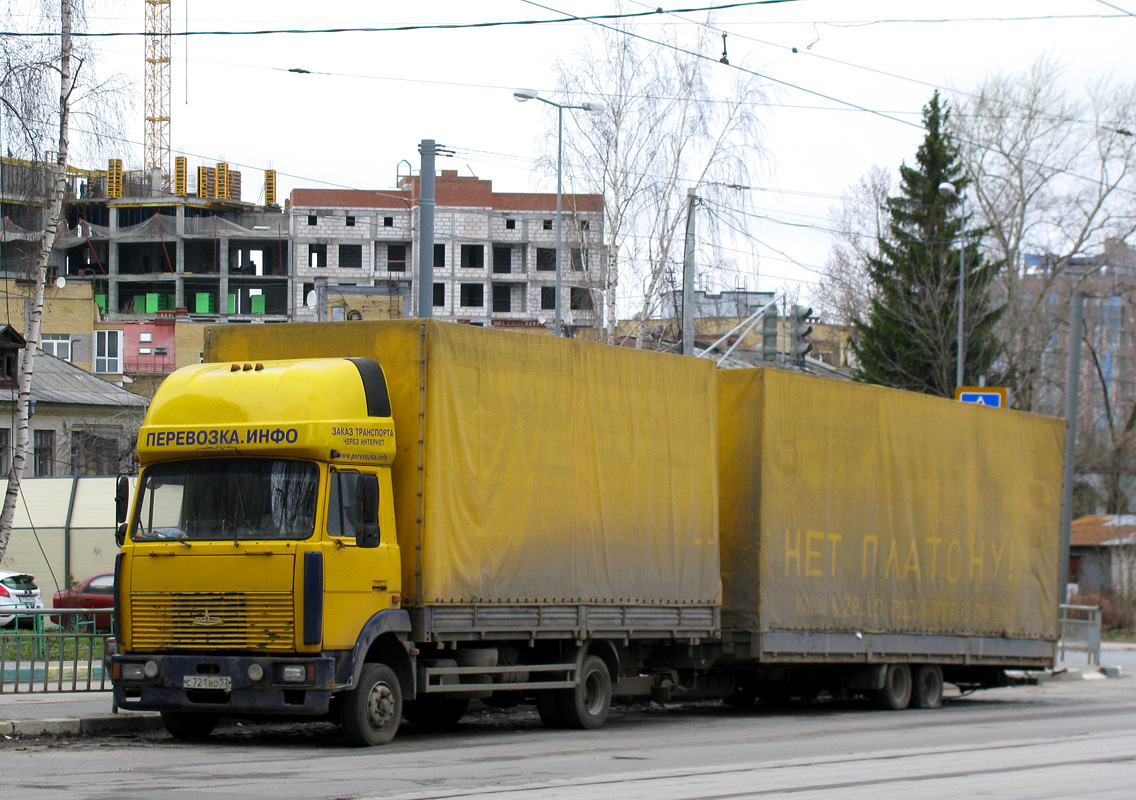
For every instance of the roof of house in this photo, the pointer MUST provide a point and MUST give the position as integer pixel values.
(1100, 530)
(57, 381)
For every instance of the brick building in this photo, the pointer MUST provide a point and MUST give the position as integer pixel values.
(494, 252)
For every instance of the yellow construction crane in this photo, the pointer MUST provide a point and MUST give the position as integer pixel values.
(158, 15)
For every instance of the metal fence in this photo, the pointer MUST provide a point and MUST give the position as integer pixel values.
(1081, 632)
(55, 650)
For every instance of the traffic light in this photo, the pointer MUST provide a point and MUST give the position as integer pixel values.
(769, 334)
(799, 329)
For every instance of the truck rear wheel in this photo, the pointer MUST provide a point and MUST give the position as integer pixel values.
(548, 707)
(586, 706)
(927, 686)
(189, 725)
(896, 693)
(435, 712)
(371, 712)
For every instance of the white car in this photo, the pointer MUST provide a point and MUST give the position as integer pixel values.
(17, 590)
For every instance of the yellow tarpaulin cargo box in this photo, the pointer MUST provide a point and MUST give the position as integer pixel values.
(854, 508)
(553, 471)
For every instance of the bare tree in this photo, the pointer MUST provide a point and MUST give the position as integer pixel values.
(665, 131)
(861, 223)
(1053, 174)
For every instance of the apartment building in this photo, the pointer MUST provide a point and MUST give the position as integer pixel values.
(494, 253)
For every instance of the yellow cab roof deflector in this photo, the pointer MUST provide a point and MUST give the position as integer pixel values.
(331, 409)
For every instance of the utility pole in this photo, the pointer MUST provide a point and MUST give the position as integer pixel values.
(1072, 410)
(426, 231)
(688, 278)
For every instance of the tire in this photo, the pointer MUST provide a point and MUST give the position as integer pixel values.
(435, 712)
(586, 707)
(549, 709)
(190, 726)
(371, 712)
(896, 693)
(927, 686)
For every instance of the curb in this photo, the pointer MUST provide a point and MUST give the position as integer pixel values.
(76, 727)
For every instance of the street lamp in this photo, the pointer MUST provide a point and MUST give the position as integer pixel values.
(947, 190)
(521, 96)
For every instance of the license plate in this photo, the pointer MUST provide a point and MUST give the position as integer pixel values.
(223, 682)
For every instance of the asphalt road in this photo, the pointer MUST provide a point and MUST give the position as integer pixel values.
(1061, 739)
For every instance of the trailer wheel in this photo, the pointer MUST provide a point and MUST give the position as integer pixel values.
(435, 712)
(189, 725)
(371, 712)
(927, 686)
(586, 706)
(896, 693)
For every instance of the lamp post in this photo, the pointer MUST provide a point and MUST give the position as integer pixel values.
(948, 190)
(521, 96)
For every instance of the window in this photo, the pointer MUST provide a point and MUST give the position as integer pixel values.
(472, 295)
(502, 259)
(145, 351)
(511, 224)
(317, 256)
(585, 224)
(5, 451)
(577, 259)
(545, 259)
(350, 256)
(547, 298)
(103, 584)
(341, 504)
(472, 256)
(145, 336)
(350, 221)
(547, 224)
(227, 499)
(580, 299)
(58, 344)
(108, 352)
(440, 256)
(439, 295)
(312, 219)
(502, 297)
(396, 258)
(43, 452)
(388, 222)
(99, 452)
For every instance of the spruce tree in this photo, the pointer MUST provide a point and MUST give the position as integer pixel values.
(910, 337)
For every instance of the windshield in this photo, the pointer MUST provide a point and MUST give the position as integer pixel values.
(227, 499)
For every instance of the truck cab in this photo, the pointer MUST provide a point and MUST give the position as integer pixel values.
(259, 571)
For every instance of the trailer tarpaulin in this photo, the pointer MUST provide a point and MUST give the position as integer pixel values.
(847, 507)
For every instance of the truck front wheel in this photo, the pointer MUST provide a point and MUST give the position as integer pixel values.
(189, 725)
(371, 712)
(927, 686)
(586, 706)
(896, 693)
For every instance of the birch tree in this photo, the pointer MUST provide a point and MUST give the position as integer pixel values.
(26, 80)
(669, 127)
(1054, 173)
(860, 223)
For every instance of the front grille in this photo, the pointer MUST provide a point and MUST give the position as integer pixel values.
(212, 621)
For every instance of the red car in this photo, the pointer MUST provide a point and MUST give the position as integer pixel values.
(95, 592)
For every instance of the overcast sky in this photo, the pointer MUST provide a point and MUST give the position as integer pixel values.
(371, 97)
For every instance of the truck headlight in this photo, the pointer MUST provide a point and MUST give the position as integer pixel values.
(293, 673)
(133, 671)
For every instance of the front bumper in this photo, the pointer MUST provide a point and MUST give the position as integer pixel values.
(268, 695)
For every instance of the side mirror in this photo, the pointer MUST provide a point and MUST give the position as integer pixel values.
(121, 499)
(120, 533)
(367, 511)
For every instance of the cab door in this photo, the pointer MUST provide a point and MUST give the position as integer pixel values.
(358, 581)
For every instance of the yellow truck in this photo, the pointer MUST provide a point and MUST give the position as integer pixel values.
(376, 521)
